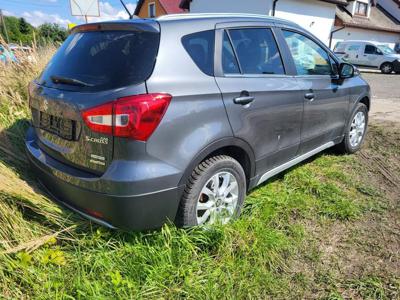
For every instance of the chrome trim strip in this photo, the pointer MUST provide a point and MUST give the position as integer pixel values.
(293, 162)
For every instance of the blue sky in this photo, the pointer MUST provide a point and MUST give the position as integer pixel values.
(38, 12)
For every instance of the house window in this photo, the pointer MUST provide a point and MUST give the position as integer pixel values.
(361, 9)
(152, 10)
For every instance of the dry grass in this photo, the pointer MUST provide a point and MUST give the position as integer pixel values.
(20, 198)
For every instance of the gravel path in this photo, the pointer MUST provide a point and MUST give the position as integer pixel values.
(385, 96)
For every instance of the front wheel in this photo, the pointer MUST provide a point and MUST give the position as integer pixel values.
(214, 193)
(355, 130)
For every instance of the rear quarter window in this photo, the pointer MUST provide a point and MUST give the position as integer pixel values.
(200, 47)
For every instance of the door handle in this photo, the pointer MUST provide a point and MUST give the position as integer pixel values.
(244, 98)
(309, 96)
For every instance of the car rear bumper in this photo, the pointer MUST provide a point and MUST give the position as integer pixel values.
(128, 212)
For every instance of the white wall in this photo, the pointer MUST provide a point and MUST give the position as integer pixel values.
(315, 16)
(391, 7)
(231, 6)
(366, 35)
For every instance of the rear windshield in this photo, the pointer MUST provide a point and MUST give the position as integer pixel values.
(102, 60)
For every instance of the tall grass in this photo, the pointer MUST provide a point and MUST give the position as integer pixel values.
(19, 200)
(49, 253)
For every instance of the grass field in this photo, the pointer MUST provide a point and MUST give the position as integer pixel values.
(326, 229)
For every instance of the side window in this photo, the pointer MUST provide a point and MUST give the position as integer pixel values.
(200, 47)
(354, 48)
(229, 62)
(369, 49)
(308, 56)
(257, 51)
(340, 47)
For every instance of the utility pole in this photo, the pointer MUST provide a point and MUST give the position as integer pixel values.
(3, 22)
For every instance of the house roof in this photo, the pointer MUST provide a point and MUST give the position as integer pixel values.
(379, 20)
(170, 6)
(185, 4)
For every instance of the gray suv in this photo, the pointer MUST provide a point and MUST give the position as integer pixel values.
(137, 123)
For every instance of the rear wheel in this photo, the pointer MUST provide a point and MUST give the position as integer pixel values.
(355, 130)
(387, 68)
(214, 193)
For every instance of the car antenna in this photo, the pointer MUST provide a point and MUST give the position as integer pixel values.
(127, 10)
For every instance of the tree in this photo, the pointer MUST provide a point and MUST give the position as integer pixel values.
(52, 32)
(19, 31)
(24, 27)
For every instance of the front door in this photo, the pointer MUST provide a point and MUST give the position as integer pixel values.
(262, 102)
(326, 102)
(371, 57)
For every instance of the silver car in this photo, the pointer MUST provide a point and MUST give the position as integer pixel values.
(140, 122)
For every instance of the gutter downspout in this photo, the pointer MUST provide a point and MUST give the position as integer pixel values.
(274, 7)
(331, 36)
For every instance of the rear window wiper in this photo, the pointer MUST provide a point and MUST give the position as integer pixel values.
(70, 81)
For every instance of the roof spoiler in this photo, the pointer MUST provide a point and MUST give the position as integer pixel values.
(137, 25)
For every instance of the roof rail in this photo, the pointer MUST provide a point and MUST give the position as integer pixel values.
(205, 15)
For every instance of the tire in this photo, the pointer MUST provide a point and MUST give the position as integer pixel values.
(386, 68)
(348, 146)
(194, 199)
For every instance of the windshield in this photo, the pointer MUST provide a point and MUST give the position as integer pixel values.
(386, 49)
(102, 60)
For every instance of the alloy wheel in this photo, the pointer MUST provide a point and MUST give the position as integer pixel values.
(357, 129)
(218, 199)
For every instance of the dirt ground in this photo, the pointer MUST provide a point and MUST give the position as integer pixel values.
(361, 259)
(385, 96)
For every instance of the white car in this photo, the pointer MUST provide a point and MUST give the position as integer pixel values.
(369, 55)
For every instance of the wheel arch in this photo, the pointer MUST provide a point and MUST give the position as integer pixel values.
(365, 100)
(234, 147)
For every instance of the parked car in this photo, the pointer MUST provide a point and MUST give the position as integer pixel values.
(22, 53)
(369, 55)
(7, 55)
(138, 122)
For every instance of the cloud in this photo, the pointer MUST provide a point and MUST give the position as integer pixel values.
(109, 12)
(8, 13)
(37, 18)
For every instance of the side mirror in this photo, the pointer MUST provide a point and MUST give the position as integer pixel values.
(346, 70)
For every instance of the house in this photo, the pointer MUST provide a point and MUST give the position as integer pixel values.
(391, 6)
(374, 21)
(317, 16)
(156, 8)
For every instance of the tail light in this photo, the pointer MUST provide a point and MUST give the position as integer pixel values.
(134, 117)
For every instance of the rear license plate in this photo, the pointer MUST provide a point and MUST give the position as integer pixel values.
(63, 128)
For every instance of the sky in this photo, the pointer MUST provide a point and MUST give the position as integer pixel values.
(38, 12)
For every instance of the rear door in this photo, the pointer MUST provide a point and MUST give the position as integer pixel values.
(326, 100)
(353, 53)
(261, 96)
(97, 64)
